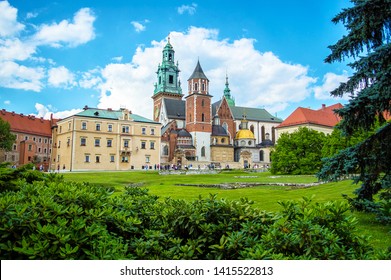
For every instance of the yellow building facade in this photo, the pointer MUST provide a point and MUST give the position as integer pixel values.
(97, 139)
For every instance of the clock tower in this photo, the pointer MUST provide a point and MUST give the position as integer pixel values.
(199, 112)
(168, 84)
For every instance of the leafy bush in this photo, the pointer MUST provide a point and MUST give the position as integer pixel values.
(53, 219)
(313, 231)
(10, 177)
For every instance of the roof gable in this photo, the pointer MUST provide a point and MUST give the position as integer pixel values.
(216, 107)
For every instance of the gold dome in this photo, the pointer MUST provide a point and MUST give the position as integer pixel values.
(244, 134)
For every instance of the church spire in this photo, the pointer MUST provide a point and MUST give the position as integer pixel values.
(227, 92)
(198, 73)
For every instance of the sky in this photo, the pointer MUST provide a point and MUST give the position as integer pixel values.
(58, 56)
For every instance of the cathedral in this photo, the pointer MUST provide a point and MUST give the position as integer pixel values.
(196, 131)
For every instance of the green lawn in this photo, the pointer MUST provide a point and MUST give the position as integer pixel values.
(264, 197)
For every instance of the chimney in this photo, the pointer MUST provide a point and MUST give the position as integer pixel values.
(323, 106)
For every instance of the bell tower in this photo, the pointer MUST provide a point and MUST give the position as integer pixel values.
(199, 112)
(168, 84)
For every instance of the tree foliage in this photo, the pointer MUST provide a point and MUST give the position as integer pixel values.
(6, 137)
(368, 42)
(337, 141)
(54, 219)
(299, 152)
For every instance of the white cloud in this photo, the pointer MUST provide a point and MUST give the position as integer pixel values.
(330, 82)
(66, 33)
(139, 26)
(117, 58)
(91, 79)
(15, 49)
(46, 112)
(7, 102)
(190, 9)
(61, 77)
(13, 75)
(8, 20)
(256, 79)
(31, 15)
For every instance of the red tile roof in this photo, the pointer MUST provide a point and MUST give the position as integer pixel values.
(324, 116)
(27, 124)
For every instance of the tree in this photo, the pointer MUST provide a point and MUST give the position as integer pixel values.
(299, 152)
(7, 139)
(337, 141)
(368, 44)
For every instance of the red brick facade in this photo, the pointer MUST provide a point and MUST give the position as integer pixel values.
(198, 113)
(226, 117)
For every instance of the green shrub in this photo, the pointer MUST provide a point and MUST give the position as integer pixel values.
(10, 177)
(53, 219)
(314, 231)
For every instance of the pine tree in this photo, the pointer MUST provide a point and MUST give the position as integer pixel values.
(368, 43)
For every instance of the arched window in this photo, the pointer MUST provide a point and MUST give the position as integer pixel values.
(225, 126)
(252, 128)
(195, 87)
(165, 150)
(273, 134)
(263, 133)
(203, 103)
(203, 151)
(261, 155)
(203, 117)
(203, 86)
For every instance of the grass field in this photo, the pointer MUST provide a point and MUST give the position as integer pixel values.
(264, 197)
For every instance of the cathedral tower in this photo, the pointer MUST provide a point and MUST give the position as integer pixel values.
(168, 84)
(199, 112)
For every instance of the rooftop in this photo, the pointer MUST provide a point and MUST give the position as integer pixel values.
(198, 72)
(175, 108)
(111, 114)
(27, 123)
(325, 116)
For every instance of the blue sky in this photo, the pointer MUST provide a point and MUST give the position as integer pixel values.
(58, 56)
